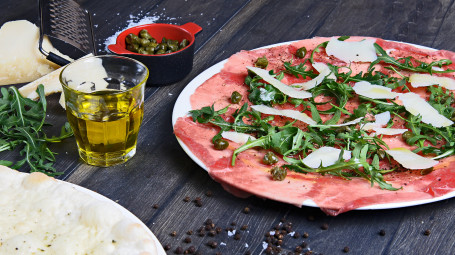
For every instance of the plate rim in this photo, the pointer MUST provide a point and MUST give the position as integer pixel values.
(184, 100)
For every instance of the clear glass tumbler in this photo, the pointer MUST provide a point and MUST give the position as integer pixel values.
(104, 98)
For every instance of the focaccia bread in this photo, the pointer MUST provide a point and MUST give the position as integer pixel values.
(41, 215)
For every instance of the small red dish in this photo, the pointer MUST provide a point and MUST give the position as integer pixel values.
(164, 68)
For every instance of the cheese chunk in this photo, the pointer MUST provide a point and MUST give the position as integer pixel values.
(411, 160)
(286, 113)
(324, 72)
(286, 89)
(425, 80)
(367, 89)
(325, 156)
(416, 105)
(237, 137)
(20, 59)
(347, 51)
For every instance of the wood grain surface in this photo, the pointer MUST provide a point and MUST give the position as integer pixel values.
(154, 184)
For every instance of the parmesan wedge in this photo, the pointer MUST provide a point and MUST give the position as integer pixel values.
(425, 80)
(411, 160)
(237, 137)
(324, 72)
(367, 89)
(416, 105)
(51, 83)
(286, 113)
(348, 51)
(325, 156)
(286, 89)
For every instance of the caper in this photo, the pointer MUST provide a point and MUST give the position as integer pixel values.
(169, 51)
(173, 47)
(144, 42)
(278, 173)
(169, 42)
(301, 52)
(132, 47)
(262, 62)
(144, 34)
(183, 43)
(220, 144)
(453, 117)
(150, 49)
(236, 97)
(161, 51)
(142, 50)
(164, 40)
(426, 171)
(153, 44)
(131, 38)
(270, 158)
(381, 154)
(161, 46)
(407, 135)
(153, 40)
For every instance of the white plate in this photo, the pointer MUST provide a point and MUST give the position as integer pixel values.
(183, 106)
(123, 210)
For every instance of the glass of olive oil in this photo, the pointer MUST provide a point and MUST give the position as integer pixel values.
(104, 98)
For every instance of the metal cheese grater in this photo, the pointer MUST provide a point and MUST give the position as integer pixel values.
(68, 26)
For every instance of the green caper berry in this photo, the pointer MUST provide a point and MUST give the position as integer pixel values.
(270, 158)
(160, 51)
(129, 38)
(453, 117)
(220, 144)
(142, 50)
(236, 97)
(426, 171)
(183, 43)
(144, 42)
(144, 34)
(161, 46)
(132, 47)
(173, 47)
(262, 62)
(150, 50)
(407, 135)
(153, 40)
(301, 52)
(278, 173)
(169, 51)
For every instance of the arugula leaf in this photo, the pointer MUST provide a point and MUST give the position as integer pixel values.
(21, 121)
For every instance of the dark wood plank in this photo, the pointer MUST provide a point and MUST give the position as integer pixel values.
(161, 173)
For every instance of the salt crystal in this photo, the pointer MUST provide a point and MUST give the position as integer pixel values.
(231, 233)
(264, 245)
(223, 244)
(246, 245)
(131, 23)
(292, 233)
(272, 232)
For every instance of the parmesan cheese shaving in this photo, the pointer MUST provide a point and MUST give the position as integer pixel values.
(389, 131)
(424, 80)
(416, 105)
(324, 72)
(352, 122)
(286, 89)
(347, 51)
(411, 160)
(381, 119)
(325, 156)
(237, 137)
(286, 113)
(366, 89)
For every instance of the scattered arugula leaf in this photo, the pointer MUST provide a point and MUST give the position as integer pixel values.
(21, 121)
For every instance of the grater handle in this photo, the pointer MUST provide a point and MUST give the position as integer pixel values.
(57, 59)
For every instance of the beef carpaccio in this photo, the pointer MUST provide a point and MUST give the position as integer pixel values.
(391, 178)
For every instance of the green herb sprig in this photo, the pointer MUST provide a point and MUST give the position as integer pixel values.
(22, 121)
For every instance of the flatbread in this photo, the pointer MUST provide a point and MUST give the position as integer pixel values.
(42, 215)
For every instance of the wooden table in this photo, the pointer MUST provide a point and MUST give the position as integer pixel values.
(154, 184)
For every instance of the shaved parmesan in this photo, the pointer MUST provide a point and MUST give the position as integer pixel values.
(366, 89)
(389, 131)
(381, 120)
(347, 51)
(325, 156)
(352, 122)
(424, 80)
(324, 72)
(237, 137)
(286, 89)
(286, 113)
(416, 105)
(411, 160)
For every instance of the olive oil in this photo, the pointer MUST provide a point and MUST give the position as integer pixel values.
(106, 126)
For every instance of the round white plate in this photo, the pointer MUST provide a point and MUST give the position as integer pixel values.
(183, 106)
